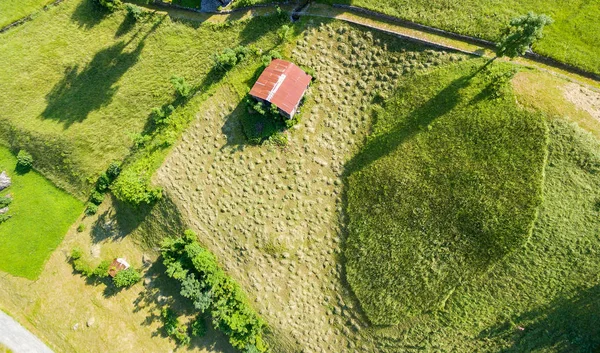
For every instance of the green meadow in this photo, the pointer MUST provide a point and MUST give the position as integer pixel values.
(446, 186)
(40, 213)
(13, 10)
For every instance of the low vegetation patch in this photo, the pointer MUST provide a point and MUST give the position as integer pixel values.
(40, 213)
(447, 185)
(546, 296)
(123, 279)
(210, 289)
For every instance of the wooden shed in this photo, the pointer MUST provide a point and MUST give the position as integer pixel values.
(283, 84)
(118, 265)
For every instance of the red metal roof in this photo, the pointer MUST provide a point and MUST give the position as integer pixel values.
(283, 84)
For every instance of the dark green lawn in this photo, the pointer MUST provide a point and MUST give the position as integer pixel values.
(446, 186)
(41, 216)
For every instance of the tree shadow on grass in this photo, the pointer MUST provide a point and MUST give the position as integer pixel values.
(125, 26)
(88, 14)
(82, 91)
(417, 121)
(568, 324)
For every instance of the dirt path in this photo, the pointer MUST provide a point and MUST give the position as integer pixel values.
(18, 339)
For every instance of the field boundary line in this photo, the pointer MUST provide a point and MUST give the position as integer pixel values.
(479, 51)
(473, 40)
(29, 17)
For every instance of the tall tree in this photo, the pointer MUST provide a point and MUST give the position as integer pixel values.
(521, 34)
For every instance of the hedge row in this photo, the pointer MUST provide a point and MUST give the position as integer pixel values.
(210, 288)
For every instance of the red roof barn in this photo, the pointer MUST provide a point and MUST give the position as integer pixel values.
(283, 84)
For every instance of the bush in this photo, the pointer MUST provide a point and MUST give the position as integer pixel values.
(113, 171)
(182, 88)
(91, 209)
(160, 115)
(76, 254)
(139, 140)
(126, 278)
(96, 197)
(4, 217)
(102, 269)
(199, 326)
(228, 58)
(79, 265)
(24, 161)
(80, 227)
(279, 138)
(133, 186)
(133, 11)
(103, 182)
(110, 5)
(5, 201)
(267, 58)
(172, 326)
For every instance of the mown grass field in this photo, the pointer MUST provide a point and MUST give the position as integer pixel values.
(445, 187)
(41, 216)
(13, 10)
(544, 297)
(572, 38)
(78, 84)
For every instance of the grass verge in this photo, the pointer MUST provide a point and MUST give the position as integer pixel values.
(41, 215)
(447, 185)
(14, 10)
(571, 39)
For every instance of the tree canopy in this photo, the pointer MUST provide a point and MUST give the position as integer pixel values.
(522, 33)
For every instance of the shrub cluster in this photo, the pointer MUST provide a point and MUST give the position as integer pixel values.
(122, 279)
(209, 288)
(173, 327)
(102, 186)
(24, 161)
(228, 58)
(81, 266)
(110, 5)
(133, 186)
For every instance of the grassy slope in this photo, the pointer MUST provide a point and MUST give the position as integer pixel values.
(572, 38)
(76, 85)
(13, 10)
(447, 185)
(544, 297)
(552, 286)
(41, 215)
